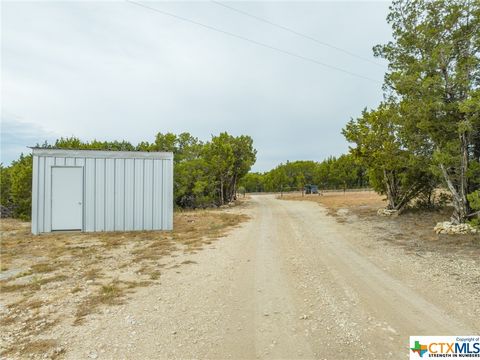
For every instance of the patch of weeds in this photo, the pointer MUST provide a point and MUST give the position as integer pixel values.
(56, 278)
(112, 242)
(76, 289)
(92, 273)
(24, 273)
(109, 294)
(155, 275)
(154, 250)
(41, 347)
(43, 268)
(136, 284)
(215, 227)
(151, 271)
(35, 283)
(143, 254)
(38, 325)
(34, 304)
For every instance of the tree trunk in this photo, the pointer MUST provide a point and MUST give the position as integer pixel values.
(390, 191)
(460, 209)
(463, 175)
(233, 193)
(221, 192)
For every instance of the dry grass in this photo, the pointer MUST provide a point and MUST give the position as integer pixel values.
(43, 268)
(412, 230)
(79, 273)
(109, 294)
(39, 346)
(362, 202)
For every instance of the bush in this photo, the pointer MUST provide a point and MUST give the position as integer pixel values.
(21, 186)
(474, 199)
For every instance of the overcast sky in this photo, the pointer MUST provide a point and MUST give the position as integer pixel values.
(115, 70)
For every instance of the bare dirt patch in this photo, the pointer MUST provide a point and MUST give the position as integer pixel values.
(412, 230)
(57, 278)
(361, 202)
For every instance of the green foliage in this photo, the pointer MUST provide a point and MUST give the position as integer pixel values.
(474, 199)
(393, 170)
(20, 192)
(205, 174)
(253, 182)
(5, 186)
(333, 173)
(229, 159)
(434, 79)
(76, 143)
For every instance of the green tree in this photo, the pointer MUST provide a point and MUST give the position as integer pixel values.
(220, 158)
(393, 170)
(229, 159)
(474, 199)
(76, 143)
(434, 76)
(253, 182)
(21, 186)
(5, 186)
(345, 172)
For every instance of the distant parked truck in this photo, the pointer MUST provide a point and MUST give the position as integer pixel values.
(311, 189)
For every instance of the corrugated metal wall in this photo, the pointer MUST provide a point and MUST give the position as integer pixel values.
(120, 194)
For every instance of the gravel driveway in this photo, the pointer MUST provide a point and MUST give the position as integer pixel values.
(289, 283)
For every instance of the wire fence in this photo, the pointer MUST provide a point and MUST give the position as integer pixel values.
(296, 191)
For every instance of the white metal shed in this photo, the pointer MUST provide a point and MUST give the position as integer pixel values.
(89, 190)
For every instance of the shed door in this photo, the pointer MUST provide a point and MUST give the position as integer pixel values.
(67, 198)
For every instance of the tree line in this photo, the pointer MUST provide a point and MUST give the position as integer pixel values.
(205, 173)
(333, 173)
(426, 132)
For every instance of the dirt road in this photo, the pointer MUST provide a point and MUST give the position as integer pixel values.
(289, 283)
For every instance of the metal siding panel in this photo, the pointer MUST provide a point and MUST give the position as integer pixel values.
(35, 195)
(41, 193)
(157, 194)
(60, 161)
(164, 195)
(94, 154)
(169, 191)
(138, 195)
(148, 195)
(81, 162)
(119, 194)
(110, 194)
(99, 194)
(129, 193)
(70, 161)
(89, 205)
(47, 222)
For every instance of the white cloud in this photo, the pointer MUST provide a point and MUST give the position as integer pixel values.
(112, 70)
(18, 135)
